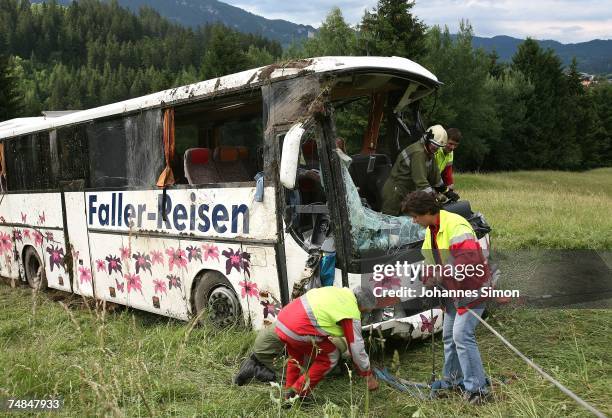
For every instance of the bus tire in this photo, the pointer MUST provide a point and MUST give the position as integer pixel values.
(216, 301)
(34, 269)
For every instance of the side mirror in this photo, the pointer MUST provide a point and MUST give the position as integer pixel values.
(291, 155)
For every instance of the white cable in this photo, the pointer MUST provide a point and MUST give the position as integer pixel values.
(537, 368)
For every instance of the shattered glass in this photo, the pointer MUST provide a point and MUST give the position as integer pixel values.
(371, 230)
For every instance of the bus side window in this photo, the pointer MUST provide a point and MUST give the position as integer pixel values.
(72, 153)
(28, 163)
(218, 142)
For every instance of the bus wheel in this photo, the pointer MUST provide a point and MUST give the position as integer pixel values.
(34, 269)
(216, 300)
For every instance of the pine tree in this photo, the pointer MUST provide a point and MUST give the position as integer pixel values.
(10, 98)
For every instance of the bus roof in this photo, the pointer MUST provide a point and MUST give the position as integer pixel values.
(233, 82)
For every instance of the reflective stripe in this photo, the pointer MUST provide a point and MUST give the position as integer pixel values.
(311, 315)
(297, 337)
(460, 238)
(358, 352)
(406, 157)
(428, 190)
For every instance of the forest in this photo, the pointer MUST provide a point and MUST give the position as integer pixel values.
(531, 113)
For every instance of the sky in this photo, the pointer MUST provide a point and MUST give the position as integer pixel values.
(567, 21)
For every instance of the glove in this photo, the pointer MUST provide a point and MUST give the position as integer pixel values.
(452, 195)
(372, 383)
(440, 197)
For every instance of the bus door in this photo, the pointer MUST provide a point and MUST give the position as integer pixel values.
(78, 237)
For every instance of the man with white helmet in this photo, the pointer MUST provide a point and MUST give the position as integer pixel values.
(414, 169)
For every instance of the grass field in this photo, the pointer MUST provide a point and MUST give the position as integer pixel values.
(129, 363)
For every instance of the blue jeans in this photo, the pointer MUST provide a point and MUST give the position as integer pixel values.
(462, 362)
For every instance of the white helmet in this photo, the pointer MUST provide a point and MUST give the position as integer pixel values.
(436, 135)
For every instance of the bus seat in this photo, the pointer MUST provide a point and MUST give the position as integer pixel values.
(199, 167)
(231, 163)
(370, 183)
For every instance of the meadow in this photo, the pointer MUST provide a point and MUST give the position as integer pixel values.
(122, 362)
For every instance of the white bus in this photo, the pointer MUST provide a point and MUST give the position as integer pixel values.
(152, 202)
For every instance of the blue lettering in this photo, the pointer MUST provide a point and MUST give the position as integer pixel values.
(237, 210)
(205, 226)
(179, 214)
(192, 208)
(164, 210)
(103, 214)
(129, 213)
(219, 214)
(92, 209)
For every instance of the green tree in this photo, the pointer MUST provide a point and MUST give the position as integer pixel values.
(391, 29)
(464, 101)
(10, 99)
(223, 54)
(335, 37)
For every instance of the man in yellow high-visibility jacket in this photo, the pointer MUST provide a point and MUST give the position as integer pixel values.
(444, 160)
(306, 324)
(451, 244)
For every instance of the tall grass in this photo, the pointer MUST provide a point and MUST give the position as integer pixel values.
(122, 362)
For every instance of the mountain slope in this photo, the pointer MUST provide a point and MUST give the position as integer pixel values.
(199, 12)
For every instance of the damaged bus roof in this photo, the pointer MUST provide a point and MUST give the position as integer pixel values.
(233, 82)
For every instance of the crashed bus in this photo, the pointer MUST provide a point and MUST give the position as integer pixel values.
(214, 197)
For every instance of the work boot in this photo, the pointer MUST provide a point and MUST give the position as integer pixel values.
(246, 372)
(262, 373)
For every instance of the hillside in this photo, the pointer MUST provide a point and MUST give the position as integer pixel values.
(593, 56)
(199, 12)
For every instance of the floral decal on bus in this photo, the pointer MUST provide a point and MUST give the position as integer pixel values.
(210, 251)
(194, 253)
(100, 265)
(126, 253)
(143, 262)
(24, 217)
(176, 258)
(56, 257)
(160, 286)
(84, 275)
(238, 260)
(157, 257)
(248, 289)
(173, 281)
(17, 235)
(5, 243)
(41, 218)
(26, 234)
(114, 264)
(133, 282)
(38, 238)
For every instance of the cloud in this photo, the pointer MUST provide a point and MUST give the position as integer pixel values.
(561, 20)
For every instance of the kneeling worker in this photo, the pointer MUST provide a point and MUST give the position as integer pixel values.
(305, 324)
(414, 169)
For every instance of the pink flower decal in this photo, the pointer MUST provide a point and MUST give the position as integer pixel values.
(56, 256)
(38, 238)
(210, 251)
(41, 218)
(24, 217)
(120, 286)
(49, 236)
(100, 265)
(427, 325)
(114, 264)
(238, 260)
(133, 282)
(26, 234)
(17, 235)
(176, 258)
(125, 253)
(269, 308)
(248, 289)
(173, 281)
(157, 257)
(194, 253)
(160, 286)
(6, 244)
(143, 262)
(84, 275)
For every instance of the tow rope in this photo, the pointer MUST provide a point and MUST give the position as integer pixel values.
(537, 368)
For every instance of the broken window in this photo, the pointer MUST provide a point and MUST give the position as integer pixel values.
(126, 152)
(28, 163)
(306, 211)
(219, 141)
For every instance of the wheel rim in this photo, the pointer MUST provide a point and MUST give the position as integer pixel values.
(224, 308)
